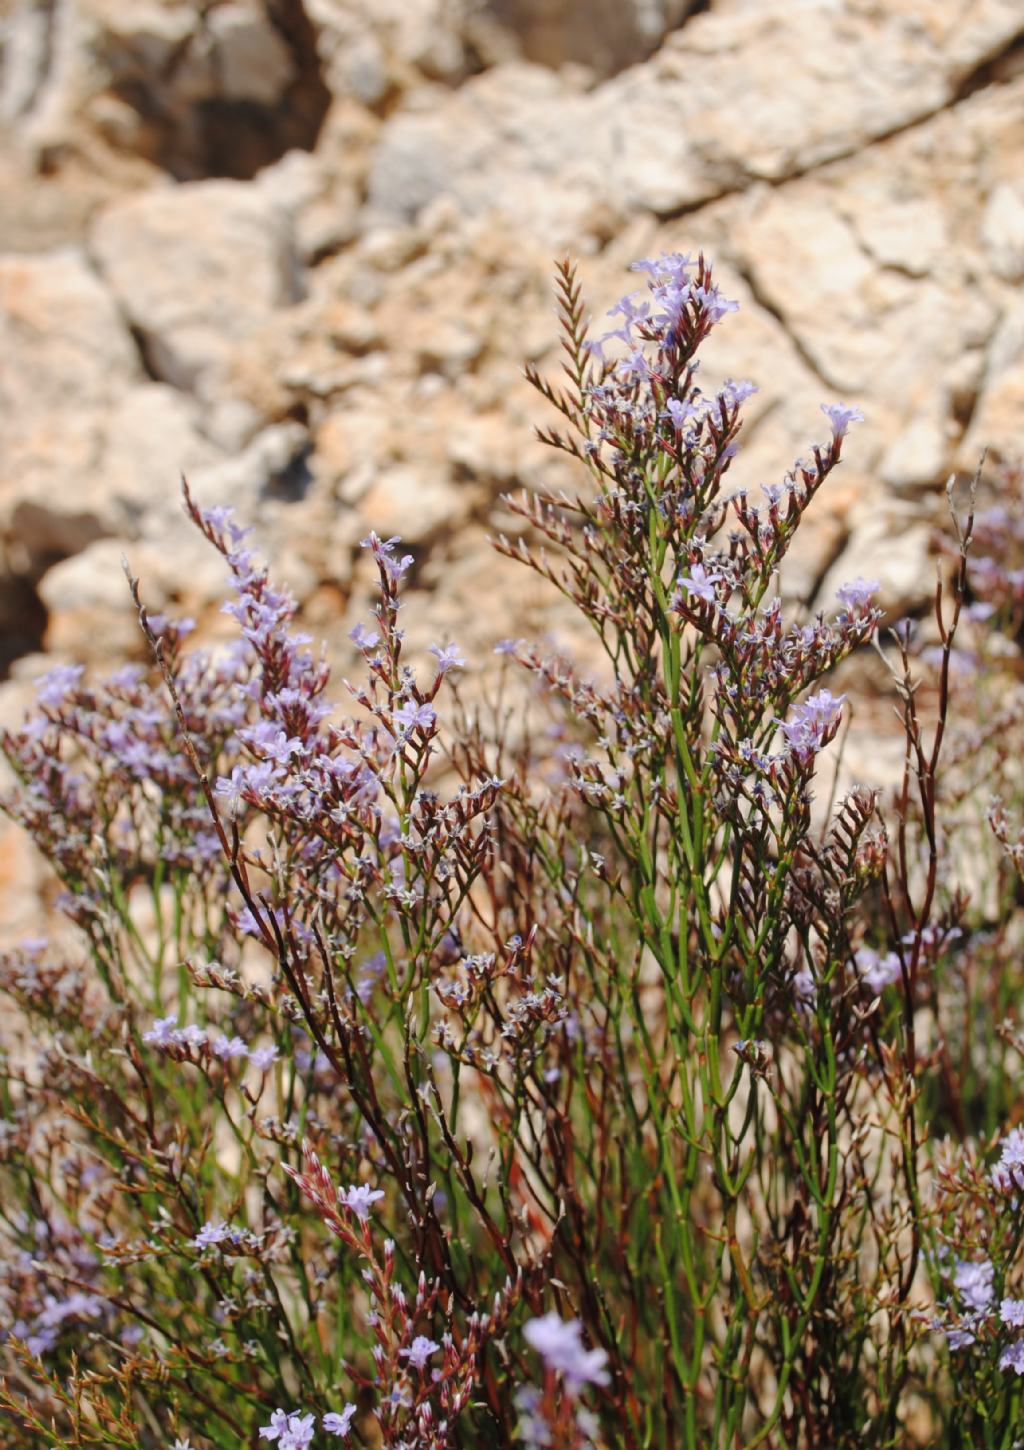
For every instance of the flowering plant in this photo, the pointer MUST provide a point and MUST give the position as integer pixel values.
(635, 1071)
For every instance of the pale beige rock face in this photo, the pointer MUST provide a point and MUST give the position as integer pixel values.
(232, 265)
(336, 343)
(69, 360)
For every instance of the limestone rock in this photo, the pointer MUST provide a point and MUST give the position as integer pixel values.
(890, 544)
(1002, 232)
(74, 358)
(702, 118)
(89, 609)
(605, 36)
(369, 52)
(252, 60)
(217, 89)
(197, 268)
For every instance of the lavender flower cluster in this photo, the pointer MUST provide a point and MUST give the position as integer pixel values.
(429, 1076)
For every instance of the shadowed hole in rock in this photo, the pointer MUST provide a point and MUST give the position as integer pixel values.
(22, 622)
(236, 138)
(291, 483)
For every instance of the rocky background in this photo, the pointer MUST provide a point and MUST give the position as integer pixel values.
(300, 250)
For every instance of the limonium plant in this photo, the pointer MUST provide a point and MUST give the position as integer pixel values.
(418, 1073)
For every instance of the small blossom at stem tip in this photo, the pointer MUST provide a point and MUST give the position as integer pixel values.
(363, 638)
(229, 1047)
(359, 1200)
(856, 595)
(419, 1351)
(560, 1344)
(449, 657)
(973, 1282)
(841, 416)
(339, 1424)
(411, 716)
(292, 1431)
(1013, 1357)
(211, 1233)
(700, 582)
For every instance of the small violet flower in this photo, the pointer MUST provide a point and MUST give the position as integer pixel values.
(419, 1351)
(877, 972)
(841, 416)
(700, 583)
(214, 1232)
(292, 1431)
(1009, 1171)
(973, 1282)
(810, 722)
(358, 1200)
(450, 657)
(336, 1424)
(53, 687)
(162, 1033)
(411, 716)
(1013, 1358)
(634, 366)
(856, 595)
(228, 1047)
(363, 638)
(559, 1343)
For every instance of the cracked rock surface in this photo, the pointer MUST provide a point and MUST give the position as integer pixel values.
(300, 250)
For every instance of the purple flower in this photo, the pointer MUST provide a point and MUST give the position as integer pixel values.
(336, 1424)
(973, 1282)
(714, 304)
(811, 722)
(877, 972)
(559, 1343)
(841, 416)
(508, 646)
(634, 366)
(628, 308)
(804, 988)
(358, 1200)
(228, 1047)
(299, 1433)
(56, 684)
(263, 1058)
(163, 1032)
(383, 551)
(959, 1338)
(1013, 1358)
(669, 264)
(411, 716)
(272, 742)
(736, 392)
(294, 1431)
(700, 582)
(1011, 1311)
(680, 411)
(211, 1233)
(1009, 1171)
(448, 658)
(419, 1351)
(362, 638)
(856, 595)
(229, 789)
(278, 1425)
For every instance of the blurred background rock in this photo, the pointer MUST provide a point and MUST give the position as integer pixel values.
(300, 250)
